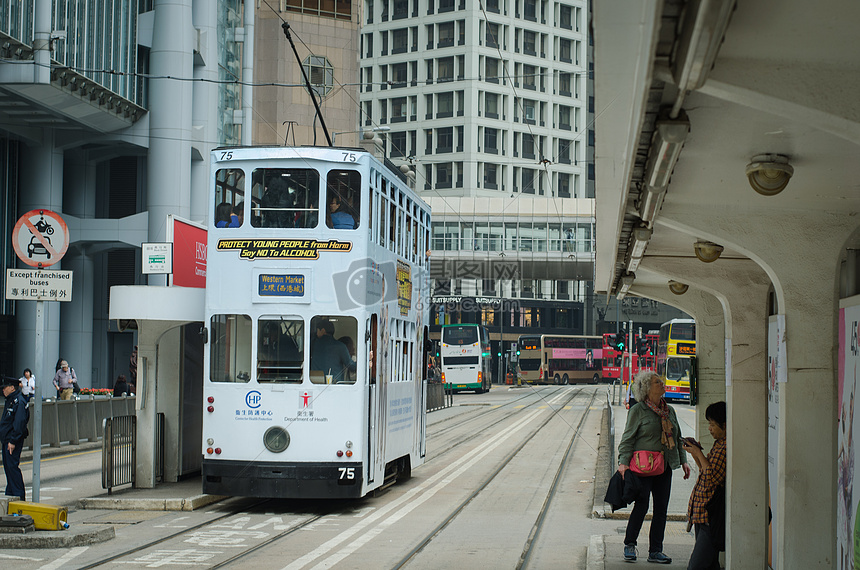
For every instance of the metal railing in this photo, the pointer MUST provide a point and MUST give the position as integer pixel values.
(119, 452)
(438, 397)
(70, 421)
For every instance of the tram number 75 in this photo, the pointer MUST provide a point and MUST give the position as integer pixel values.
(346, 475)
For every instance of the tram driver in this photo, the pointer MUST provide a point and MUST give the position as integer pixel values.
(329, 355)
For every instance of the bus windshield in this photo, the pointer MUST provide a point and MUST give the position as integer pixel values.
(678, 368)
(460, 335)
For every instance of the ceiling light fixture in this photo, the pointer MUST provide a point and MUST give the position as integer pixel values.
(769, 173)
(678, 288)
(707, 251)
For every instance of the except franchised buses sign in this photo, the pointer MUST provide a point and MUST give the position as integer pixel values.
(38, 285)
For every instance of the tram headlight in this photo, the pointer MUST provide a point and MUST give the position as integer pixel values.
(276, 439)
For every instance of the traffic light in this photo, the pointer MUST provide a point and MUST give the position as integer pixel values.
(619, 341)
(641, 347)
(518, 352)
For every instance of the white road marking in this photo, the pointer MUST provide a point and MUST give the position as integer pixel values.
(411, 499)
(159, 558)
(177, 519)
(76, 551)
(224, 539)
(13, 557)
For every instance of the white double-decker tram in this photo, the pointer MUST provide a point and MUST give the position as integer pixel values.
(316, 308)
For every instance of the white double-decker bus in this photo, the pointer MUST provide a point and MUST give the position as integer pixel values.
(465, 353)
(316, 310)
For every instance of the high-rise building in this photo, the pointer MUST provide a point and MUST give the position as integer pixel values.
(488, 103)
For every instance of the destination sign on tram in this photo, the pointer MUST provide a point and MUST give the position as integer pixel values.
(282, 285)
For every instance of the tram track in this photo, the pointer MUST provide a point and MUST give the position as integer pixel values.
(190, 530)
(538, 524)
(486, 428)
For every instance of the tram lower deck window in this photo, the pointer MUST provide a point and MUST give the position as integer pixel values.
(280, 349)
(230, 348)
(333, 349)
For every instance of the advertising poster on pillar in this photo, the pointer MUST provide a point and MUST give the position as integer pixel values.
(189, 253)
(777, 374)
(847, 528)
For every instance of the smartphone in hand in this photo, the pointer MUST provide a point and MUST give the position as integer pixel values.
(693, 442)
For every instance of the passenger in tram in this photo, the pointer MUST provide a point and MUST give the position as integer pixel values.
(707, 505)
(651, 426)
(338, 216)
(330, 355)
(350, 346)
(223, 215)
(238, 216)
(277, 205)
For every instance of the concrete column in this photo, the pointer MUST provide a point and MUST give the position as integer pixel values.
(158, 341)
(170, 104)
(248, 76)
(741, 286)
(206, 115)
(42, 40)
(77, 316)
(42, 184)
(710, 346)
(803, 264)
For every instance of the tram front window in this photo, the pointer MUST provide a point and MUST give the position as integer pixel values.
(333, 342)
(280, 350)
(230, 352)
(285, 198)
(229, 198)
(678, 369)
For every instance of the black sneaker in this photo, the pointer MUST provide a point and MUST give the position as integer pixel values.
(659, 558)
(630, 552)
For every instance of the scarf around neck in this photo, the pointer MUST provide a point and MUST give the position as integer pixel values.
(662, 410)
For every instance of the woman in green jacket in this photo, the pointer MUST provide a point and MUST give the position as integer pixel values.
(651, 426)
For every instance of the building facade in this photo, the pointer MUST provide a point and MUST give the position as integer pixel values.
(108, 112)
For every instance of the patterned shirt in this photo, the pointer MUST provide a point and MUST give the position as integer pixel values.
(707, 483)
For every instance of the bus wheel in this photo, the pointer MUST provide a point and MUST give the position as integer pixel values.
(556, 380)
(596, 379)
(565, 380)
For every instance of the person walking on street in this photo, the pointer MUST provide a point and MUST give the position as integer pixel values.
(652, 426)
(13, 432)
(28, 384)
(65, 380)
(706, 509)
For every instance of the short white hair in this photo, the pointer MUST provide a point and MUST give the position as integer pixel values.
(642, 384)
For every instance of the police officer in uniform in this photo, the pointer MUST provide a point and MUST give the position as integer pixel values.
(13, 431)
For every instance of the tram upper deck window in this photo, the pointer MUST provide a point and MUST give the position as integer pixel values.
(229, 198)
(285, 198)
(343, 199)
(280, 349)
(230, 348)
(333, 342)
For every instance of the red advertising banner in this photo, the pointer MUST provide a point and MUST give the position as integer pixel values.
(189, 253)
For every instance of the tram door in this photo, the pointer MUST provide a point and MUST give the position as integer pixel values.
(373, 375)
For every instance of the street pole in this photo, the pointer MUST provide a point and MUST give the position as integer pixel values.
(501, 337)
(41, 378)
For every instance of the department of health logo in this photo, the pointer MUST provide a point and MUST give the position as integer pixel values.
(253, 399)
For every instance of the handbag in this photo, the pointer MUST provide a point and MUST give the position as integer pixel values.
(648, 463)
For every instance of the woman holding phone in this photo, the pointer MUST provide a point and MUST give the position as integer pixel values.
(651, 426)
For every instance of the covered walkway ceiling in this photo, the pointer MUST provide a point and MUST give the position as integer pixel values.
(714, 84)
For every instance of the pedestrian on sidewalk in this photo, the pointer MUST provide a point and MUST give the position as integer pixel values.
(28, 384)
(707, 502)
(651, 426)
(13, 432)
(65, 380)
